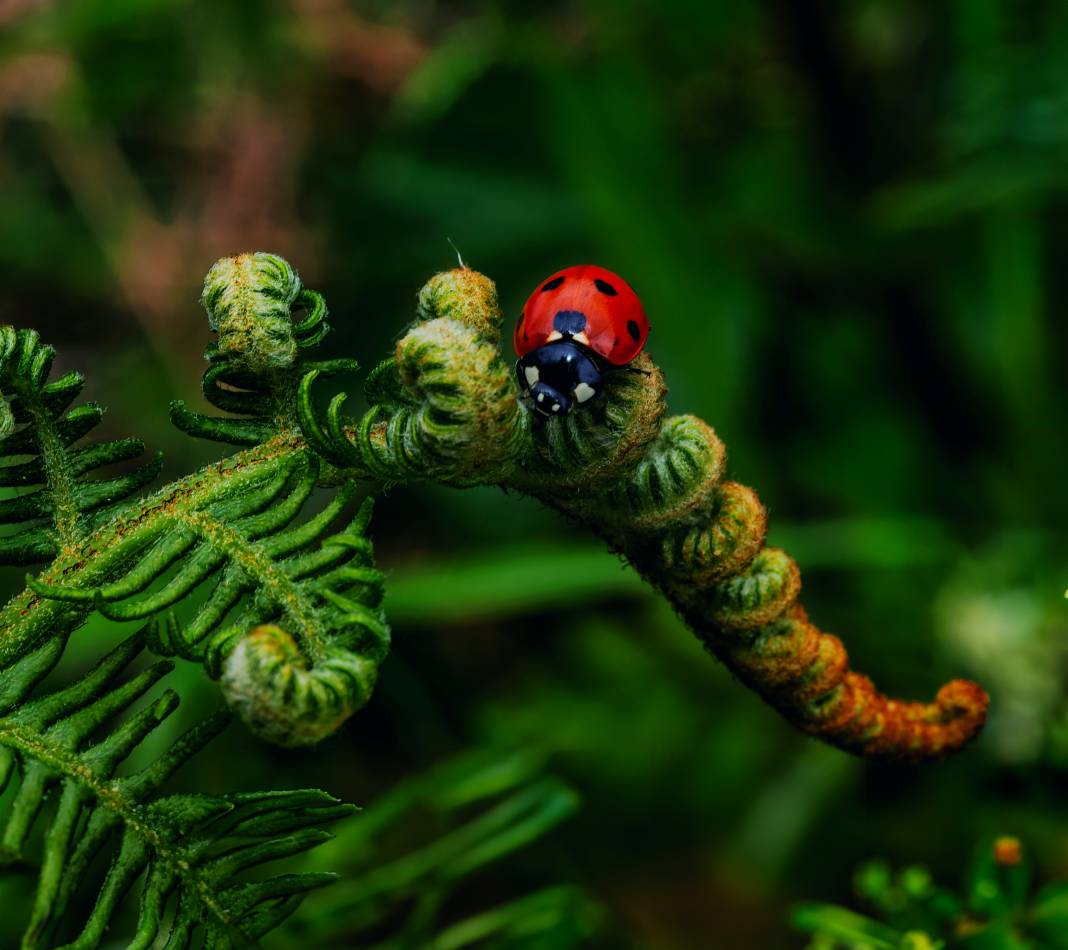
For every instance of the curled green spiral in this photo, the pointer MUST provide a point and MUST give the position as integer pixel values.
(723, 539)
(282, 697)
(444, 407)
(674, 482)
(461, 424)
(7, 419)
(250, 299)
(447, 408)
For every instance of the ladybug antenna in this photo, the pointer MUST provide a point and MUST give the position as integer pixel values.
(457, 250)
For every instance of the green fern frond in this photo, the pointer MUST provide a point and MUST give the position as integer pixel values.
(38, 435)
(252, 549)
(320, 591)
(251, 301)
(191, 852)
(285, 613)
(447, 408)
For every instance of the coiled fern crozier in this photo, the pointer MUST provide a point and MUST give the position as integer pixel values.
(445, 408)
(287, 614)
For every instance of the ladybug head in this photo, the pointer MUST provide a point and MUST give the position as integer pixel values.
(557, 376)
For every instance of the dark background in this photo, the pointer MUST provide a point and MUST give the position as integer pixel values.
(845, 222)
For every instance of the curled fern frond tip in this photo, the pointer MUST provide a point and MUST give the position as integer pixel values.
(249, 299)
(447, 408)
(286, 700)
(465, 296)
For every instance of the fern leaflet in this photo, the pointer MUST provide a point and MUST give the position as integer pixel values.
(40, 429)
(192, 851)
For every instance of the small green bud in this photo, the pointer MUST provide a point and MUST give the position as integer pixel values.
(463, 295)
(248, 300)
(282, 698)
(873, 880)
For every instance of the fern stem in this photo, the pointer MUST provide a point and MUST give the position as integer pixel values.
(303, 649)
(59, 477)
(276, 583)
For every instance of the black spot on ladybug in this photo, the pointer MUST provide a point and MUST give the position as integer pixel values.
(604, 287)
(552, 284)
(569, 321)
(632, 329)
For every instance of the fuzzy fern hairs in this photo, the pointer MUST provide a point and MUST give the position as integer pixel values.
(287, 614)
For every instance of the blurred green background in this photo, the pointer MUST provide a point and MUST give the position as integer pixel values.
(844, 220)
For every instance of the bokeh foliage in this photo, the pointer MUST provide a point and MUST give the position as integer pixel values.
(844, 220)
(995, 907)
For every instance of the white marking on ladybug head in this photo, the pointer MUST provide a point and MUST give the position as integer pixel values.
(556, 407)
(581, 338)
(584, 391)
(541, 397)
(555, 335)
(531, 373)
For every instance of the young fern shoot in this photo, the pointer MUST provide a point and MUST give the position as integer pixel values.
(652, 487)
(72, 798)
(291, 624)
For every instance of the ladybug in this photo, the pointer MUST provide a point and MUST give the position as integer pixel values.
(579, 323)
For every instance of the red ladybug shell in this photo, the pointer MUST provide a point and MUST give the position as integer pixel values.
(589, 304)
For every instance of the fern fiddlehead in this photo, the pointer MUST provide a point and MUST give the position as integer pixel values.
(250, 301)
(445, 392)
(652, 487)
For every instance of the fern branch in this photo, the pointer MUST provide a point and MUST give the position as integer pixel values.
(481, 808)
(291, 621)
(39, 426)
(445, 408)
(189, 849)
(298, 681)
